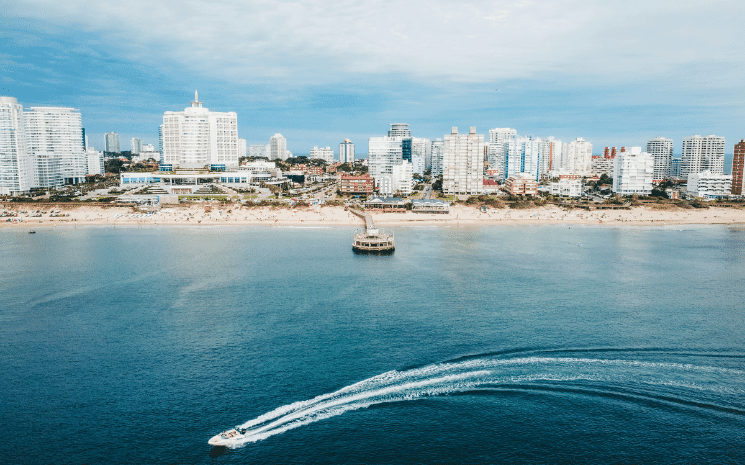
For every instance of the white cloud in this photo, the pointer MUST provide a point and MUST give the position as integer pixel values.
(317, 42)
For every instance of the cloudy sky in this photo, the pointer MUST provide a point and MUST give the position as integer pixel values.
(614, 73)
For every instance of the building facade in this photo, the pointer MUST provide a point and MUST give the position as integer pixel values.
(521, 186)
(566, 188)
(111, 143)
(136, 146)
(708, 185)
(356, 185)
(58, 131)
(16, 174)
(463, 163)
(702, 154)
(436, 154)
(633, 172)
(661, 150)
(495, 155)
(738, 163)
(323, 154)
(400, 130)
(278, 147)
(346, 152)
(577, 157)
(197, 137)
(383, 152)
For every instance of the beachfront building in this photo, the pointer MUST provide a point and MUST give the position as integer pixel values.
(278, 147)
(197, 137)
(708, 185)
(522, 157)
(633, 172)
(111, 143)
(346, 152)
(702, 154)
(325, 154)
(521, 186)
(16, 172)
(57, 131)
(399, 182)
(94, 161)
(383, 153)
(738, 163)
(602, 166)
(463, 163)
(498, 137)
(550, 156)
(566, 188)
(421, 154)
(661, 150)
(577, 157)
(436, 154)
(356, 185)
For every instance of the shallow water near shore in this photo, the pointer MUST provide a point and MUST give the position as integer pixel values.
(467, 345)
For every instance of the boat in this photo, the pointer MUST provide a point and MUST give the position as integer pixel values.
(32, 232)
(227, 437)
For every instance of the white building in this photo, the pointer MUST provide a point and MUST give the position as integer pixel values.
(399, 130)
(400, 181)
(111, 143)
(661, 150)
(59, 131)
(148, 151)
(242, 148)
(346, 152)
(633, 172)
(323, 154)
(702, 154)
(421, 154)
(522, 157)
(709, 185)
(136, 146)
(197, 137)
(16, 173)
(566, 187)
(577, 157)
(436, 151)
(278, 147)
(463, 162)
(257, 150)
(495, 158)
(94, 160)
(383, 152)
(550, 155)
(602, 166)
(47, 171)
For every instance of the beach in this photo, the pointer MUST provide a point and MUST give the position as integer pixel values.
(338, 216)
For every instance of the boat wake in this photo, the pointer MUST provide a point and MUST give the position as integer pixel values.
(691, 386)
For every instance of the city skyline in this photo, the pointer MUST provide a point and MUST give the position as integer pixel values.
(670, 71)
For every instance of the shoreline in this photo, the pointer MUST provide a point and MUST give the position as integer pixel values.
(459, 215)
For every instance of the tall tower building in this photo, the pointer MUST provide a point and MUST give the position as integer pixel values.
(111, 143)
(136, 145)
(578, 157)
(463, 157)
(738, 163)
(399, 130)
(346, 151)
(197, 137)
(437, 147)
(15, 163)
(278, 147)
(661, 150)
(497, 138)
(632, 172)
(701, 154)
(382, 153)
(58, 131)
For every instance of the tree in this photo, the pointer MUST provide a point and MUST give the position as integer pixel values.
(113, 165)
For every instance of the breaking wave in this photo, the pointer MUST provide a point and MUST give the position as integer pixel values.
(685, 385)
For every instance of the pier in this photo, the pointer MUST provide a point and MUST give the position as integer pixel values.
(372, 240)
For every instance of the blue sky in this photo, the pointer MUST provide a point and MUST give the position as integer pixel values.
(318, 72)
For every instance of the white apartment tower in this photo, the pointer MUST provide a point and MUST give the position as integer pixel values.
(399, 130)
(197, 137)
(111, 142)
(463, 162)
(437, 146)
(382, 153)
(278, 147)
(702, 154)
(57, 131)
(522, 158)
(346, 151)
(633, 172)
(661, 150)
(136, 146)
(577, 157)
(323, 154)
(15, 164)
(497, 138)
(421, 154)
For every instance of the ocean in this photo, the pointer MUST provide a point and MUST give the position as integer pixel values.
(580, 344)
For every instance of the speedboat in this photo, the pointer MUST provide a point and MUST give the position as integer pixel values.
(227, 437)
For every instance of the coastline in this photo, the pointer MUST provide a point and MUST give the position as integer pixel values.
(233, 215)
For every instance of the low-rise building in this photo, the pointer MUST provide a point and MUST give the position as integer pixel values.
(490, 186)
(356, 185)
(566, 188)
(387, 204)
(709, 186)
(521, 186)
(430, 206)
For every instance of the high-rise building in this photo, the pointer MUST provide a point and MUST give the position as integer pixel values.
(160, 139)
(632, 172)
(463, 159)
(550, 155)
(522, 157)
(346, 151)
(399, 130)
(197, 137)
(58, 131)
(702, 154)
(136, 145)
(95, 162)
(111, 143)
(323, 154)
(437, 146)
(738, 163)
(278, 147)
(661, 150)
(382, 153)
(675, 167)
(15, 164)
(242, 148)
(495, 158)
(257, 150)
(577, 157)
(421, 154)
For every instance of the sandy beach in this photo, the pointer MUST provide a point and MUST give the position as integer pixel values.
(337, 216)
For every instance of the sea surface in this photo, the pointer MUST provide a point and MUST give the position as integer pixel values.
(467, 345)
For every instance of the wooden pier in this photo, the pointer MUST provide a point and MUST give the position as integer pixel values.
(372, 240)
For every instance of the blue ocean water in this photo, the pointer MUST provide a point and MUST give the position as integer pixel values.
(467, 345)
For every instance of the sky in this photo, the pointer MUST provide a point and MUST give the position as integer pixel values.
(613, 73)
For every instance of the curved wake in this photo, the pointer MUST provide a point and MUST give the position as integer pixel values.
(680, 383)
